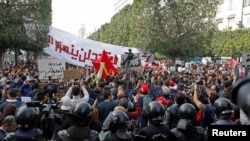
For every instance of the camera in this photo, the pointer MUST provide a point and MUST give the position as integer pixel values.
(51, 88)
(48, 117)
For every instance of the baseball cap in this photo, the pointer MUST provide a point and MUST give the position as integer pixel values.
(162, 100)
(65, 103)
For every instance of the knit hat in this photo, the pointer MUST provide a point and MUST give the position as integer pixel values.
(65, 103)
(165, 90)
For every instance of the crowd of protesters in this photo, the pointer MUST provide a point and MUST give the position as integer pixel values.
(151, 104)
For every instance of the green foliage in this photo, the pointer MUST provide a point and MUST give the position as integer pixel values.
(186, 25)
(14, 14)
(231, 43)
(171, 28)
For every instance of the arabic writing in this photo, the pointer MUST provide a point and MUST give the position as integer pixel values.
(81, 54)
(54, 64)
(53, 72)
(51, 67)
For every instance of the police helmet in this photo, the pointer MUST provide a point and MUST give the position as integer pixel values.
(119, 123)
(187, 111)
(223, 106)
(241, 95)
(82, 112)
(26, 117)
(131, 106)
(155, 112)
(119, 119)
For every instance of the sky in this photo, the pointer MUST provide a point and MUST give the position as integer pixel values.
(69, 15)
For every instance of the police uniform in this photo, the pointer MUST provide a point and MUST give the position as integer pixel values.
(153, 133)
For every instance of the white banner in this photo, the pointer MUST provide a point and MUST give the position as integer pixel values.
(51, 67)
(79, 51)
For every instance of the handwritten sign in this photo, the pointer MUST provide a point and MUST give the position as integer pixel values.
(51, 67)
(71, 74)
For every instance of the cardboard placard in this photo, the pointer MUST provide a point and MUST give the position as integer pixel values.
(71, 74)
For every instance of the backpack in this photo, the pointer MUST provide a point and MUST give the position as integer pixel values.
(206, 118)
(146, 101)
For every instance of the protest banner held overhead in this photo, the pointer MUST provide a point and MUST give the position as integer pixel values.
(80, 51)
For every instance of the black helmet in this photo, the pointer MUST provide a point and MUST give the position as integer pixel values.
(26, 117)
(155, 112)
(119, 119)
(187, 111)
(223, 106)
(241, 95)
(119, 123)
(82, 112)
(131, 106)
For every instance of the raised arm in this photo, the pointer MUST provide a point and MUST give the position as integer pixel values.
(85, 92)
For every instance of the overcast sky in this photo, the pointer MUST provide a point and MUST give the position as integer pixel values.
(69, 15)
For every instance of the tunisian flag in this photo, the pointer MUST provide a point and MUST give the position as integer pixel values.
(104, 66)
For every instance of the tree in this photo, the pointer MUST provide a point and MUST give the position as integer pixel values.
(174, 28)
(185, 25)
(231, 43)
(14, 35)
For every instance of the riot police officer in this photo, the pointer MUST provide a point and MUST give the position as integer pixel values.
(118, 127)
(26, 118)
(155, 131)
(81, 114)
(185, 130)
(223, 109)
(241, 96)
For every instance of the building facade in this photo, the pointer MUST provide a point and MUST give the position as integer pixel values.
(232, 13)
(82, 31)
(119, 4)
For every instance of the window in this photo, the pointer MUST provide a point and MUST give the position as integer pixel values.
(230, 6)
(248, 20)
(219, 8)
(231, 22)
(220, 26)
(246, 3)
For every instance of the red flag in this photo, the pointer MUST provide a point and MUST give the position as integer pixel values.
(108, 66)
(233, 62)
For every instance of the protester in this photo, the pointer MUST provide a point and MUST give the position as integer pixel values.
(12, 99)
(159, 85)
(76, 94)
(106, 106)
(8, 125)
(9, 109)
